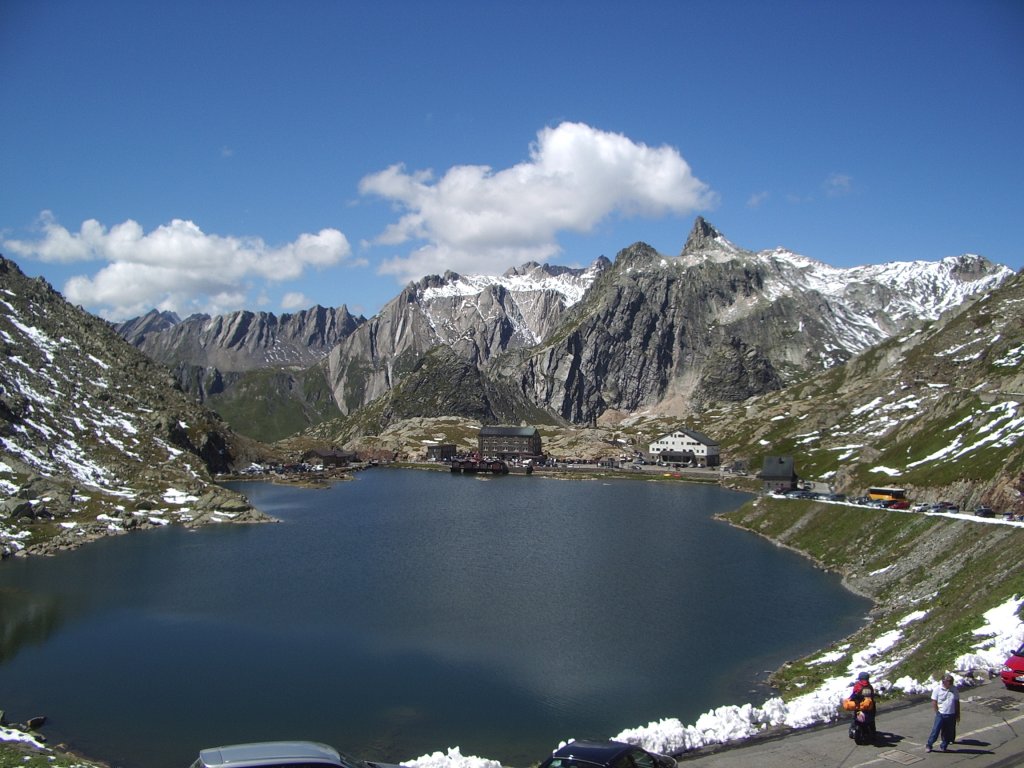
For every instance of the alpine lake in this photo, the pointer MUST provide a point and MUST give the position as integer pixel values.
(406, 612)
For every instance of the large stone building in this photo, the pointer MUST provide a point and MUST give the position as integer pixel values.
(779, 474)
(685, 446)
(509, 443)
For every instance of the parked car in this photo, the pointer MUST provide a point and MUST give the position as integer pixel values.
(1012, 673)
(800, 493)
(275, 754)
(984, 512)
(606, 754)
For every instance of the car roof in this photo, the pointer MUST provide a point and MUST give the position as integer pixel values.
(269, 752)
(599, 752)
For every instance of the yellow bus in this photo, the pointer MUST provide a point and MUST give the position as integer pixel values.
(887, 494)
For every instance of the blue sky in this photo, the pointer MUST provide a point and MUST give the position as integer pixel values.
(212, 156)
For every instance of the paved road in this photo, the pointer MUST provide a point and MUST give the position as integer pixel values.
(991, 735)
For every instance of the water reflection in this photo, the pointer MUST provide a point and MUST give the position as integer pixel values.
(28, 619)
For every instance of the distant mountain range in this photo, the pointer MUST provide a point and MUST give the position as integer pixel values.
(908, 373)
(665, 334)
(241, 341)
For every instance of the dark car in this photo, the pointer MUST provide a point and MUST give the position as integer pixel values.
(1012, 673)
(984, 512)
(606, 754)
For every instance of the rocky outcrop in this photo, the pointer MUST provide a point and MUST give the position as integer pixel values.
(91, 428)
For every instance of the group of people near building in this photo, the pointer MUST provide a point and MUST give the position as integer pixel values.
(945, 704)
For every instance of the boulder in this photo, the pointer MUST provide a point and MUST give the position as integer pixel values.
(16, 509)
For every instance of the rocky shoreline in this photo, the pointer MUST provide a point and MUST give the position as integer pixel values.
(24, 745)
(213, 505)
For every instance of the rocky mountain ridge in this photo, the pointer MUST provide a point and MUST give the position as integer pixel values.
(477, 317)
(649, 332)
(718, 323)
(241, 341)
(228, 361)
(95, 438)
(655, 332)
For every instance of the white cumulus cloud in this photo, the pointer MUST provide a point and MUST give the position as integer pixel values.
(475, 219)
(176, 266)
(295, 300)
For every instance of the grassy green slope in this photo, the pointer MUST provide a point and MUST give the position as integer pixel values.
(953, 569)
(270, 404)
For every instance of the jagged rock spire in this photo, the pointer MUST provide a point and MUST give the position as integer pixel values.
(701, 237)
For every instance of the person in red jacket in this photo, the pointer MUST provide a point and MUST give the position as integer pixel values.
(864, 695)
(863, 681)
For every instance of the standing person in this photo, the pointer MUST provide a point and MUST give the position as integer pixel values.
(946, 703)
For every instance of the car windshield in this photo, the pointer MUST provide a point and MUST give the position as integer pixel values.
(1019, 651)
(622, 761)
(642, 760)
(634, 758)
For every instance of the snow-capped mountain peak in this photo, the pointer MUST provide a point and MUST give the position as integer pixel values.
(569, 283)
(707, 243)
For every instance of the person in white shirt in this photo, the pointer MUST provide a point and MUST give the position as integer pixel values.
(946, 703)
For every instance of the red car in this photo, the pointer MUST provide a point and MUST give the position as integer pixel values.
(1013, 670)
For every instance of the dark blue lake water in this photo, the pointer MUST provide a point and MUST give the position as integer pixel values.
(406, 612)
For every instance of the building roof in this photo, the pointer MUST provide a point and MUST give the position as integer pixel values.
(693, 434)
(508, 431)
